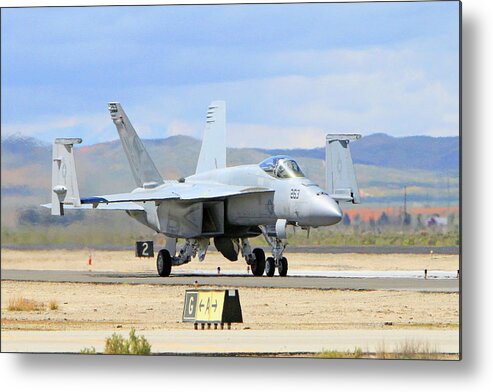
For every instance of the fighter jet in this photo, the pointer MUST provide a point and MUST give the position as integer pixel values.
(228, 205)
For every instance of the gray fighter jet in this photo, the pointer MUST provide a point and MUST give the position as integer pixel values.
(226, 204)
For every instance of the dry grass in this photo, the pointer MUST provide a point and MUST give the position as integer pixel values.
(117, 345)
(409, 349)
(21, 304)
(357, 353)
(136, 345)
(53, 304)
(87, 351)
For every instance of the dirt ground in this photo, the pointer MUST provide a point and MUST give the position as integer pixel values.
(102, 306)
(125, 261)
(121, 306)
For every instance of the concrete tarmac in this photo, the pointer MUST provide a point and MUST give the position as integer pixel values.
(238, 341)
(320, 249)
(224, 280)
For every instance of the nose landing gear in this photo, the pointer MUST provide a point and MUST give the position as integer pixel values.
(283, 266)
(270, 266)
(277, 260)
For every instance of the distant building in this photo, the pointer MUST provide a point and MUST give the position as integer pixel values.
(436, 221)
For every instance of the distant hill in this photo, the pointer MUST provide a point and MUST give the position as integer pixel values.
(384, 165)
(380, 149)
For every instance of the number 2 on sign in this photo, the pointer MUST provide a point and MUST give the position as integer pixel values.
(145, 249)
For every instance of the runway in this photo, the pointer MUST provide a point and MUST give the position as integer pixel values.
(319, 249)
(238, 341)
(339, 282)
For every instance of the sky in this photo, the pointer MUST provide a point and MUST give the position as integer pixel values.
(289, 73)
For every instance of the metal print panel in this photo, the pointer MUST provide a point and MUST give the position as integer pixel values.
(293, 170)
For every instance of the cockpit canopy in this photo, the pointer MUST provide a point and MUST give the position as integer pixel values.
(281, 166)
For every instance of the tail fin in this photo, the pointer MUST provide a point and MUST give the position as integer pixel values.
(65, 189)
(143, 169)
(213, 152)
(340, 176)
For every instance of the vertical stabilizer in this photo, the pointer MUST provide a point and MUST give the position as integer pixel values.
(213, 152)
(65, 189)
(340, 175)
(143, 169)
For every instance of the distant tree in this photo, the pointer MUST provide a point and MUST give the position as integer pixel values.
(406, 219)
(384, 219)
(42, 217)
(67, 219)
(450, 220)
(346, 220)
(29, 217)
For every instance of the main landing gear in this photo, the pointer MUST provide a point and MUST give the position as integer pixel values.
(189, 250)
(254, 258)
(163, 263)
(257, 261)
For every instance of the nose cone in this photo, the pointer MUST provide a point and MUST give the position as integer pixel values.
(325, 211)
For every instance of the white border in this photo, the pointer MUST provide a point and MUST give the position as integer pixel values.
(82, 373)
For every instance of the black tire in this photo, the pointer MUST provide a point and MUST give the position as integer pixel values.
(258, 266)
(163, 263)
(270, 266)
(283, 266)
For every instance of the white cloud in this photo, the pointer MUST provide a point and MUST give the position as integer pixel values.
(177, 127)
(38, 128)
(370, 90)
(258, 135)
(391, 90)
(91, 127)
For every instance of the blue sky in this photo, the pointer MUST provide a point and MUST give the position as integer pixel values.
(289, 73)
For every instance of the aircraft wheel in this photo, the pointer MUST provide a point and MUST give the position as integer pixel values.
(258, 265)
(283, 266)
(163, 263)
(270, 266)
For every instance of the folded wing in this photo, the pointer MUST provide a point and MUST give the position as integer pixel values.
(178, 191)
(125, 206)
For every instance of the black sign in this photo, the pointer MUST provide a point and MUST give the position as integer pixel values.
(212, 306)
(144, 249)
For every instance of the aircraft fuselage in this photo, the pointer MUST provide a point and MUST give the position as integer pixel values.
(298, 201)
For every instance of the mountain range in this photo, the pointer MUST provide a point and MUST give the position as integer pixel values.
(413, 152)
(427, 166)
